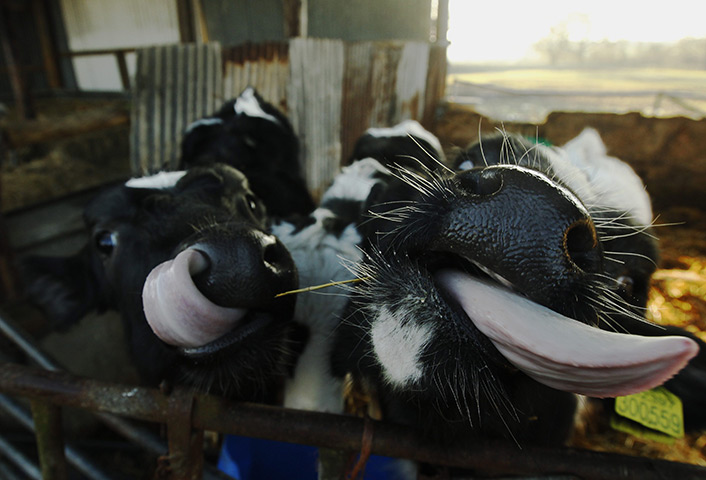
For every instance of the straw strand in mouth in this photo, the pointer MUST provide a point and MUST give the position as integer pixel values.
(319, 287)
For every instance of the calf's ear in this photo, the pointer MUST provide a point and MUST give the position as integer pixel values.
(64, 288)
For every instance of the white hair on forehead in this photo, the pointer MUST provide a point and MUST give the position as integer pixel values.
(355, 181)
(406, 128)
(247, 104)
(159, 180)
(203, 122)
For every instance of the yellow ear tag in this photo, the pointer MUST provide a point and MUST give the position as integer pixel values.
(658, 409)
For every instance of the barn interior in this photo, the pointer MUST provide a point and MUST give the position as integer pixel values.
(95, 92)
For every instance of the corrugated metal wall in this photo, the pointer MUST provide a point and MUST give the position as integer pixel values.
(330, 89)
(263, 65)
(174, 85)
(315, 99)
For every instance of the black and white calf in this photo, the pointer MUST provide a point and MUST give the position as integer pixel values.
(481, 290)
(213, 319)
(326, 244)
(257, 139)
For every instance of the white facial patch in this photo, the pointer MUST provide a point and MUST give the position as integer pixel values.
(247, 104)
(398, 346)
(203, 123)
(321, 257)
(404, 129)
(355, 181)
(159, 180)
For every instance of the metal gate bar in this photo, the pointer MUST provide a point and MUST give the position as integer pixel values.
(29, 346)
(19, 460)
(134, 433)
(328, 430)
(80, 461)
(50, 440)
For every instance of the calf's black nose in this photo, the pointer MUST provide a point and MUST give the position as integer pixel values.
(246, 267)
(523, 226)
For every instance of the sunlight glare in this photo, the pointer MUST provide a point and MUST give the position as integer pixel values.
(505, 31)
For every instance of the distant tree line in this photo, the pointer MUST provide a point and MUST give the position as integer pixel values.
(558, 49)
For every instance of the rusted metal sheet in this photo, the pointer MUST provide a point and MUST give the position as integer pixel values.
(385, 83)
(332, 92)
(357, 95)
(489, 457)
(435, 84)
(264, 66)
(174, 85)
(314, 99)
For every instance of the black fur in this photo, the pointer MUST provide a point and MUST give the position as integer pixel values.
(132, 230)
(266, 150)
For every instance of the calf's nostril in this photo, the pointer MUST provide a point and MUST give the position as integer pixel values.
(199, 263)
(486, 181)
(271, 255)
(580, 244)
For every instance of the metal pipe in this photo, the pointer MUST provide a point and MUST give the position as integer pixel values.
(50, 440)
(335, 431)
(136, 434)
(29, 346)
(7, 473)
(82, 463)
(19, 460)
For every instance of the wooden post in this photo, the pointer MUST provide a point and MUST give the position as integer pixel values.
(185, 13)
(442, 22)
(21, 100)
(122, 67)
(49, 54)
(50, 440)
(292, 18)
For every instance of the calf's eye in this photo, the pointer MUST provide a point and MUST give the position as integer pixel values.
(105, 241)
(251, 202)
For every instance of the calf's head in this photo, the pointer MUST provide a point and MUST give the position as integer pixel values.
(251, 135)
(212, 319)
(482, 289)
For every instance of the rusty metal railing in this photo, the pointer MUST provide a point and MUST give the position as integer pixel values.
(188, 414)
(127, 429)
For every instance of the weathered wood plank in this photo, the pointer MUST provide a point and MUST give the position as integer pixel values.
(384, 61)
(357, 95)
(435, 84)
(174, 85)
(410, 83)
(264, 66)
(315, 101)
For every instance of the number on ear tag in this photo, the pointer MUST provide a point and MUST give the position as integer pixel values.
(657, 409)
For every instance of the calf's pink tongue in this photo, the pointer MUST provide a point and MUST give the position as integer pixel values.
(178, 313)
(564, 353)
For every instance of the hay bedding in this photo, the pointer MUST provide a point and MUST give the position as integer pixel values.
(677, 297)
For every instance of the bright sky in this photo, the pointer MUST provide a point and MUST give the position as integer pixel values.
(505, 30)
